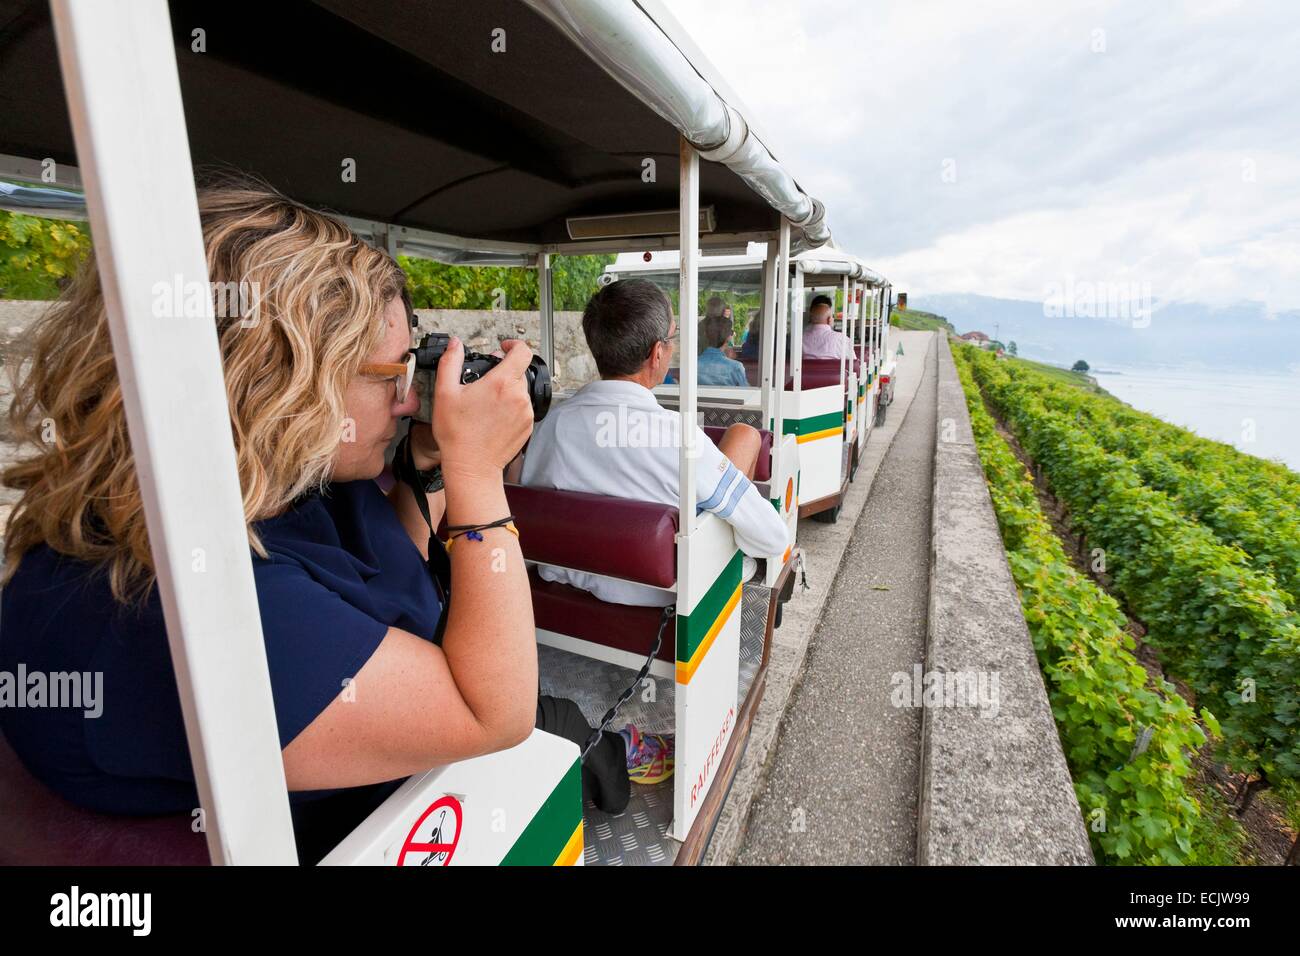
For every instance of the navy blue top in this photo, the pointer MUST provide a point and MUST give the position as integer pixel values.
(341, 571)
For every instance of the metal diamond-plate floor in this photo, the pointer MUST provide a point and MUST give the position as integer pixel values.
(639, 835)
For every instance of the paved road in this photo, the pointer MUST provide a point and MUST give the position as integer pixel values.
(843, 787)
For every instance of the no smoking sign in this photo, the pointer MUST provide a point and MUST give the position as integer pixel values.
(432, 841)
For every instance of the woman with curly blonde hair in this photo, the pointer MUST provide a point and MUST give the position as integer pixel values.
(317, 381)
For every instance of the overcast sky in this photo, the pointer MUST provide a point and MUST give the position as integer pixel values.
(1001, 147)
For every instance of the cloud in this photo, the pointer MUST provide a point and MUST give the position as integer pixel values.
(1113, 142)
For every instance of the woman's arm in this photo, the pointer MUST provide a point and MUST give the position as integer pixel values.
(415, 705)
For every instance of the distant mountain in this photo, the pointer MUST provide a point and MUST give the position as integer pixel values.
(1242, 337)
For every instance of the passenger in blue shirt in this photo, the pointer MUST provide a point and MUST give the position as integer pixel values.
(318, 377)
(714, 367)
(749, 349)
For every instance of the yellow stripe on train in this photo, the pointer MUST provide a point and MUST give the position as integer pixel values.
(686, 670)
(824, 433)
(572, 850)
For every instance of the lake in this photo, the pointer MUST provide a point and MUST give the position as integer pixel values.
(1259, 413)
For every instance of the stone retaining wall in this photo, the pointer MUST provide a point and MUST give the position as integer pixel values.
(994, 784)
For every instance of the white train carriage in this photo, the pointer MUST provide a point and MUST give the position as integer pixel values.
(827, 406)
(487, 133)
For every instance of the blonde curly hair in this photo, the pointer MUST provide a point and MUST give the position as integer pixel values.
(288, 359)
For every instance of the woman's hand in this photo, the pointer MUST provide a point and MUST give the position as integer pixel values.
(478, 428)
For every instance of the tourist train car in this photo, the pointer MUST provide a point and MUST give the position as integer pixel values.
(491, 132)
(827, 406)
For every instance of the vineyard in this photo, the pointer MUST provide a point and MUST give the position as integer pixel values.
(1200, 543)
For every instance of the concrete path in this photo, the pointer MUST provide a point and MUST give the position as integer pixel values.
(843, 785)
(824, 546)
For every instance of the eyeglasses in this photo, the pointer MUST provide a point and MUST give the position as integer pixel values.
(666, 341)
(403, 373)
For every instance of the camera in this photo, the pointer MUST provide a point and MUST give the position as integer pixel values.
(537, 375)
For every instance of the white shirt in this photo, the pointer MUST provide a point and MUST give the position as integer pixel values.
(613, 438)
(821, 341)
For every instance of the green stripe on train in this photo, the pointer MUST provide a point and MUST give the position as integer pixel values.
(547, 834)
(692, 627)
(815, 423)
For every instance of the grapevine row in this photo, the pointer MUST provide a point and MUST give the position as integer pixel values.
(1134, 800)
(1253, 519)
(1222, 624)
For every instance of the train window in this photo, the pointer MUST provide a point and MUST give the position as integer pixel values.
(574, 280)
(728, 312)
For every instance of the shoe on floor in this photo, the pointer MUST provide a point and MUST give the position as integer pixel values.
(748, 567)
(650, 757)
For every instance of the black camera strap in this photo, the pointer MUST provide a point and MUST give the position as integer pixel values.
(439, 561)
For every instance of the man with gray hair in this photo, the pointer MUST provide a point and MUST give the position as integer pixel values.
(820, 340)
(613, 438)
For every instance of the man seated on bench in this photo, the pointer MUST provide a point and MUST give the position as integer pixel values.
(613, 438)
(820, 339)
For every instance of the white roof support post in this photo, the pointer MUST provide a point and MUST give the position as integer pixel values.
(782, 326)
(688, 331)
(884, 322)
(880, 325)
(863, 295)
(876, 331)
(852, 311)
(767, 337)
(119, 70)
(875, 327)
(867, 309)
(850, 325)
(847, 323)
(546, 310)
(881, 318)
(856, 290)
(872, 342)
(796, 329)
(868, 316)
(870, 331)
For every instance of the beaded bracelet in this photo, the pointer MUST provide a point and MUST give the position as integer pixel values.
(475, 531)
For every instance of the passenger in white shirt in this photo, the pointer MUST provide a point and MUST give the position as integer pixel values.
(613, 438)
(820, 340)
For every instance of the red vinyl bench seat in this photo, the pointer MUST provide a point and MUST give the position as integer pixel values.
(617, 537)
(40, 828)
